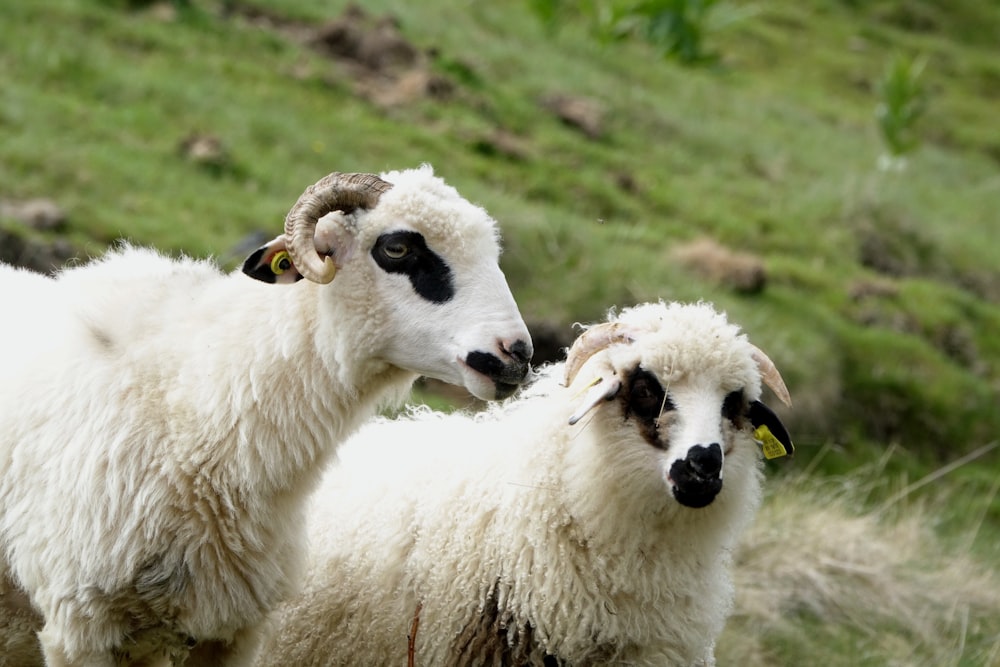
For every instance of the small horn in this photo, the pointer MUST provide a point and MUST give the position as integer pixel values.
(590, 342)
(335, 192)
(770, 375)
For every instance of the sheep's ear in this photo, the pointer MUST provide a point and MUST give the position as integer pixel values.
(335, 237)
(270, 263)
(770, 432)
(601, 388)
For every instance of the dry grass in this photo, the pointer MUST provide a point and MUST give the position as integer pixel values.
(822, 581)
(709, 259)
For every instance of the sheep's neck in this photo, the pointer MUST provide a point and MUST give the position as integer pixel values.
(290, 400)
(244, 439)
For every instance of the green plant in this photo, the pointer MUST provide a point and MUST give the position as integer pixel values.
(902, 101)
(677, 27)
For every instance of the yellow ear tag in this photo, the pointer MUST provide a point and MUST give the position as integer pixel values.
(773, 449)
(281, 262)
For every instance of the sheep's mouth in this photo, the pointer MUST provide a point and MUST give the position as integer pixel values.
(697, 498)
(695, 494)
(505, 389)
(506, 377)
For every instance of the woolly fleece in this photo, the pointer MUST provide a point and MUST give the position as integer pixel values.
(523, 540)
(161, 423)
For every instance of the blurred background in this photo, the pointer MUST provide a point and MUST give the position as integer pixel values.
(826, 171)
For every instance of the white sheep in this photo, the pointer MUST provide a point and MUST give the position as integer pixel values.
(162, 423)
(516, 538)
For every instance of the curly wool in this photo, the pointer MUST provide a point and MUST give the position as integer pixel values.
(162, 423)
(517, 539)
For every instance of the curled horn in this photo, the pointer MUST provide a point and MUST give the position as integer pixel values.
(335, 192)
(770, 375)
(590, 342)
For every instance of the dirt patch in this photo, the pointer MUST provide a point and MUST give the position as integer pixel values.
(203, 149)
(580, 113)
(372, 42)
(383, 66)
(501, 143)
(20, 242)
(37, 255)
(42, 214)
(894, 246)
(739, 271)
(874, 303)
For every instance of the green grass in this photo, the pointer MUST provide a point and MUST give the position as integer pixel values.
(883, 295)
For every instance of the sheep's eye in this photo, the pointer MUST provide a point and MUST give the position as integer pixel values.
(395, 250)
(405, 252)
(646, 398)
(734, 406)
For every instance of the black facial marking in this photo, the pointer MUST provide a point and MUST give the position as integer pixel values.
(645, 399)
(485, 363)
(407, 252)
(734, 407)
(507, 377)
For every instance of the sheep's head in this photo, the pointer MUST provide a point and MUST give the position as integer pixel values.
(688, 382)
(420, 262)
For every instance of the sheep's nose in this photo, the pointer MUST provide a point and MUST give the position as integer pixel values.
(705, 462)
(516, 364)
(507, 373)
(521, 350)
(697, 478)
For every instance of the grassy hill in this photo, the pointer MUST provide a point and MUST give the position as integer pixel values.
(618, 175)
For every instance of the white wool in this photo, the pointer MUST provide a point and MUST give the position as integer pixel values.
(522, 537)
(162, 424)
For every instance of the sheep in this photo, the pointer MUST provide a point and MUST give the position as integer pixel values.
(586, 522)
(162, 423)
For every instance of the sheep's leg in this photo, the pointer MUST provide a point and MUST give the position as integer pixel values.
(55, 654)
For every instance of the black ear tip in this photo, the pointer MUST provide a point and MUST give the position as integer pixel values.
(252, 261)
(256, 268)
(761, 415)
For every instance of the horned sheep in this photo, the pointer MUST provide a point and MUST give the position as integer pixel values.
(162, 423)
(587, 522)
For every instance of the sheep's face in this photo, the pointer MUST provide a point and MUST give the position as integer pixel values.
(687, 391)
(423, 268)
(446, 310)
(696, 425)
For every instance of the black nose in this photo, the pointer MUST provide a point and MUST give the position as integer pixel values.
(507, 374)
(520, 350)
(705, 461)
(697, 478)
